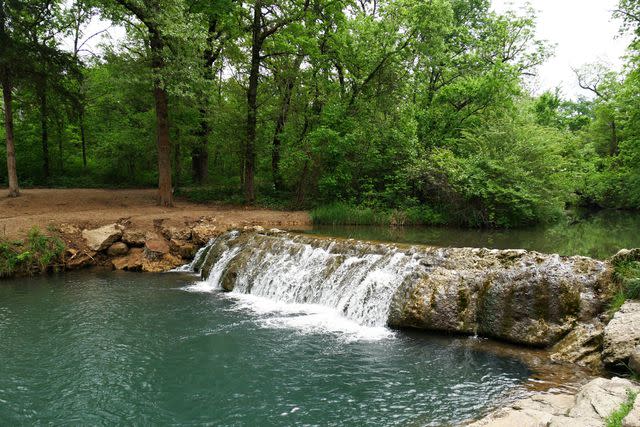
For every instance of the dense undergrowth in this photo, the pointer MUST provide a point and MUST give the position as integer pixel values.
(35, 254)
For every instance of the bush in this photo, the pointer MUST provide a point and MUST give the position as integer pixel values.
(36, 254)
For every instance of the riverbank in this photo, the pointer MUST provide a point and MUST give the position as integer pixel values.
(91, 208)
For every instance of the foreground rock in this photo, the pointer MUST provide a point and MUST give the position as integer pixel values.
(101, 238)
(590, 407)
(622, 335)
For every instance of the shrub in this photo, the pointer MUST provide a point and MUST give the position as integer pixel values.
(36, 254)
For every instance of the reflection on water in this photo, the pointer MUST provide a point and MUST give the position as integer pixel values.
(598, 235)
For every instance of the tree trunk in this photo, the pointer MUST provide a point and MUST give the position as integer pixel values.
(200, 153)
(46, 169)
(83, 138)
(613, 143)
(165, 190)
(252, 106)
(14, 191)
(280, 124)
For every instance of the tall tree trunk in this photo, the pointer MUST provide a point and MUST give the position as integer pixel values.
(200, 153)
(83, 137)
(165, 190)
(14, 191)
(252, 106)
(613, 143)
(46, 169)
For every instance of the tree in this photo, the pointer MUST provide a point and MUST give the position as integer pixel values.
(7, 57)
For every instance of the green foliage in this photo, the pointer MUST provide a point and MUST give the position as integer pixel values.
(627, 278)
(615, 419)
(36, 254)
(507, 172)
(409, 112)
(345, 214)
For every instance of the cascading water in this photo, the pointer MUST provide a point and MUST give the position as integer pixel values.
(359, 286)
(516, 295)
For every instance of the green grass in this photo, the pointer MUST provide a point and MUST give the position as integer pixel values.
(347, 214)
(37, 253)
(615, 419)
(626, 275)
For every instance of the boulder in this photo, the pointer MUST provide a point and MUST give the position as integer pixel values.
(101, 238)
(622, 335)
(182, 249)
(176, 233)
(135, 238)
(132, 262)
(155, 248)
(118, 249)
(634, 360)
(202, 233)
(583, 345)
(79, 259)
(161, 264)
(595, 401)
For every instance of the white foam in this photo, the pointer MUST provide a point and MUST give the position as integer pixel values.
(307, 318)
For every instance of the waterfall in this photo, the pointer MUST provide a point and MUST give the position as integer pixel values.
(289, 270)
(517, 295)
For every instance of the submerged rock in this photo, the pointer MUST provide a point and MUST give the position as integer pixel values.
(622, 335)
(590, 407)
(101, 238)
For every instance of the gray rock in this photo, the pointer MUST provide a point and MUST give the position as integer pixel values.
(118, 249)
(622, 335)
(101, 238)
(595, 401)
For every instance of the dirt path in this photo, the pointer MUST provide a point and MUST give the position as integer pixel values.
(88, 208)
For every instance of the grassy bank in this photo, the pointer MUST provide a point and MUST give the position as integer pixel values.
(37, 253)
(346, 214)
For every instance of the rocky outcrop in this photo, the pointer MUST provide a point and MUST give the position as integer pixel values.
(590, 407)
(519, 296)
(583, 346)
(622, 335)
(101, 238)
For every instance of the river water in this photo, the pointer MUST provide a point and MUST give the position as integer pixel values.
(597, 235)
(123, 348)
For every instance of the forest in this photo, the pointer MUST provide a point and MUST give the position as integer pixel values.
(363, 111)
